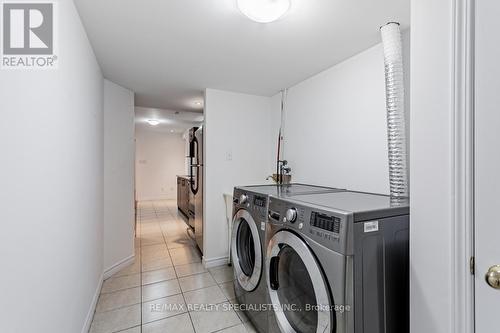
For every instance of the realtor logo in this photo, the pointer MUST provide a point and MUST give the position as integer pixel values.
(28, 35)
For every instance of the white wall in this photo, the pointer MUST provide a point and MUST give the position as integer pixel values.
(234, 155)
(335, 124)
(119, 150)
(160, 157)
(431, 194)
(51, 197)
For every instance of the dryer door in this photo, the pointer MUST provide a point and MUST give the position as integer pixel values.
(298, 291)
(246, 250)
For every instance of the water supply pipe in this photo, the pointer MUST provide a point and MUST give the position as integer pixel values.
(395, 103)
(279, 161)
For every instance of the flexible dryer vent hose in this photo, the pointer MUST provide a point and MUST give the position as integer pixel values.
(395, 102)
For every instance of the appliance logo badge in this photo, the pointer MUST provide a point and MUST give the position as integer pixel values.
(28, 35)
(371, 226)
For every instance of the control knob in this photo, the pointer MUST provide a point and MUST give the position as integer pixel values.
(291, 215)
(243, 199)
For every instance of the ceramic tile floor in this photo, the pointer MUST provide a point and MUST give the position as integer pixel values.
(167, 288)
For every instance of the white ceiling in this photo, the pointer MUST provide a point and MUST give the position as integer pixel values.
(170, 121)
(169, 51)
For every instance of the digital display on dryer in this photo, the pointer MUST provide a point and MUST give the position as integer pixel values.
(325, 222)
(259, 201)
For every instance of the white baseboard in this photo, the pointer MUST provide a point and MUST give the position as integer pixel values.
(90, 314)
(106, 274)
(214, 262)
(118, 266)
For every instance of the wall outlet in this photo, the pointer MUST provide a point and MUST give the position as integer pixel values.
(229, 156)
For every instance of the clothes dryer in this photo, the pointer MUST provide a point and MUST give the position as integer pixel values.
(338, 262)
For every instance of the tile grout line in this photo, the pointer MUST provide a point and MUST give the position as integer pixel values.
(183, 297)
(160, 222)
(219, 287)
(165, 242)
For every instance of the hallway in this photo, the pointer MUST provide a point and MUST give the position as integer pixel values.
(167, 289)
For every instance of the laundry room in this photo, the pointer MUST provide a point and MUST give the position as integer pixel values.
(261, 166)
(323, 144)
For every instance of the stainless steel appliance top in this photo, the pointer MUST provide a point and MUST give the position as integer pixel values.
(364, 206)
(287, 190)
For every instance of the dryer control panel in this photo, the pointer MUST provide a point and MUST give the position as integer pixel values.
(313, 223)
(325, 222)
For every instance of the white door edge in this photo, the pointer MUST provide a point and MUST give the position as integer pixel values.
(463, 169)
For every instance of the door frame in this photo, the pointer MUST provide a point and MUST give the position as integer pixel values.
(463, 168)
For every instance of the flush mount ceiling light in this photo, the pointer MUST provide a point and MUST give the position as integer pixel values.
(197, 103)
(264, 11)
(153, 122)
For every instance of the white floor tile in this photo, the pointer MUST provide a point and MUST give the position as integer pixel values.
(235, 329)
(152, 256)
(210, 295)
(119, 299)
(181, 242)
(211, 320)
(163, 308)
(197, 281)
(158, 275)
(228, 289)
(222, 274)
(131, 269)
(185, 255)
(190, 269)
(136, 329)
(157, 264)
(176, 324)
(153, 248)
(160, 290)
(116, 320)
(120, 283)
(168, 265)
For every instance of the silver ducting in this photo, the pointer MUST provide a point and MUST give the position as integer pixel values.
(395, 101)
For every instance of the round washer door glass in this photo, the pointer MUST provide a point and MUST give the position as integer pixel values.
(296, 286)
(246, 250)
(296, 291)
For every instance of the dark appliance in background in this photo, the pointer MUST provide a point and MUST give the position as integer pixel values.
(192, 173)
(183, 191)
(196, 183)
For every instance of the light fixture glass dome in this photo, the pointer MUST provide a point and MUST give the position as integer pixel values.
(264, 11)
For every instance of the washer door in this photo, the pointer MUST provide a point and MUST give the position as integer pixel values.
(298, 291)
(246, 250)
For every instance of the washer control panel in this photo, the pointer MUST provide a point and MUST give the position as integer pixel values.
(322, 226)
(254, 203)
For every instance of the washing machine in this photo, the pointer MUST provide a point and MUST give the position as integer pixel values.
(338, 262)
(250, 209)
